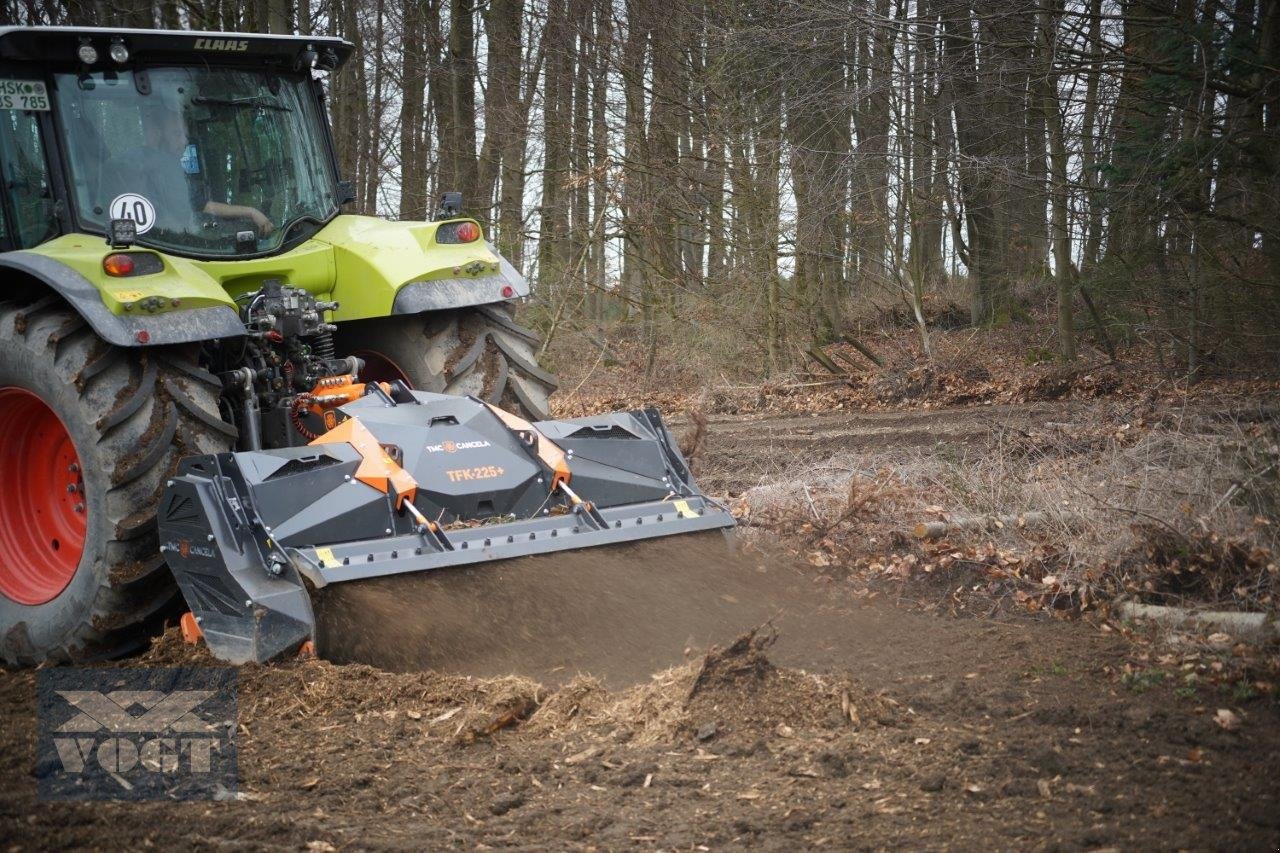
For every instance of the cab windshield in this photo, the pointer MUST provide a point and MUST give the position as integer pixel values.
(209, 162)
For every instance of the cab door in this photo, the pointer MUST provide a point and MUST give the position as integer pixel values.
(28, 213)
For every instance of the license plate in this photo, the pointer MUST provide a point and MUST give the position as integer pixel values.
(23, 95)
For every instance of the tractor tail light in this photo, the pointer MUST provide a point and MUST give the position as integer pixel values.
(458, 232)
(118, 265)
(122, 264)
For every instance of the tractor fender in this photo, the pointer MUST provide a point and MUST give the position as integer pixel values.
(443, 293)
(172, 327)
(381, 268)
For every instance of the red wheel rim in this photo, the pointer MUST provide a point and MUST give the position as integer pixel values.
(43, 513)
(379, 368)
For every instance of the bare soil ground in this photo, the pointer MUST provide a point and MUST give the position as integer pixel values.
(866, 723)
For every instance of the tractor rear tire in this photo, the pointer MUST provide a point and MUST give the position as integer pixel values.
(479, 351)
(89, 433)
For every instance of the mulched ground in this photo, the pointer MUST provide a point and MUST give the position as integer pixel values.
(920, 731)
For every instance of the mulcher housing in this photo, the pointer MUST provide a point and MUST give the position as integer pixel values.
(246, 533)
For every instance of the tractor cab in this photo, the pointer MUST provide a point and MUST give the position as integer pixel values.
(212, 148)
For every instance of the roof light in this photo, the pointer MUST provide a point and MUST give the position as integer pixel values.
(468, 232)
(119, 53)
(88, 54)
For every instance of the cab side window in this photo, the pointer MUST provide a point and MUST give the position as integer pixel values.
(25, 180)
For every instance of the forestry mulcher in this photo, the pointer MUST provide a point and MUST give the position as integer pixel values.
(210, 375)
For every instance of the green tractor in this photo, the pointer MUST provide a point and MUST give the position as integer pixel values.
(179, 279)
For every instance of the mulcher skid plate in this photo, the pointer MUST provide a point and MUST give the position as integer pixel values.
(409, 482)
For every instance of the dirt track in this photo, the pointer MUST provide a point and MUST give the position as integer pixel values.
(743, 449)
(916, 730)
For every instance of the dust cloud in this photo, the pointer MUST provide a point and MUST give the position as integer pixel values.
(619, 613)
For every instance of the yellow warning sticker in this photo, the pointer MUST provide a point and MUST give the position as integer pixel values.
(127, 295)
(325, 555)
(683, 506)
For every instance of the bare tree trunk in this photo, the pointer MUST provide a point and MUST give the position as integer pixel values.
(1138, 120)
(1029, 202)
(663, 150)
(460, 146)
(871, 167)
(368, 193)
(765, 204)
(600, 200)
(501, 102)
(349, 118)
(818, 124)
(634, 192)
(579, 236)
(925, 200)
(557, 105)
(514, 143)
(1050, 14)
(988, 134)
(278, 17)
(439, 89)
(413, 83)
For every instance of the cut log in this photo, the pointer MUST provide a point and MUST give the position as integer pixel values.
(1251, 627)
(846, 361)
(864, 349)
(938, 529)
(827, 364)
(1099, 325)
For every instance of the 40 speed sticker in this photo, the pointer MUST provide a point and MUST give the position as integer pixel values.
(135, 207)
(23, 95)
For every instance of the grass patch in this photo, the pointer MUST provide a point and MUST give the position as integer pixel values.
(1144, 680)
